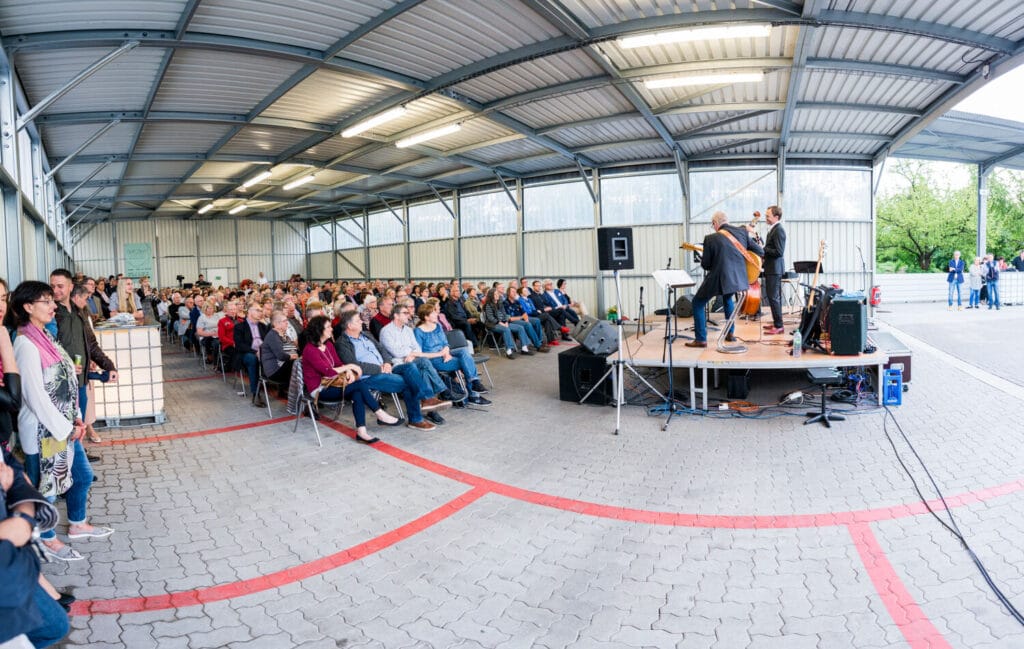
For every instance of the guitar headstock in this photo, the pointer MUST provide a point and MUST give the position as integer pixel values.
(691, 247)
(822, 247)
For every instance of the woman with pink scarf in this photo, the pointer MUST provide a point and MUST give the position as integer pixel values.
(49, 428)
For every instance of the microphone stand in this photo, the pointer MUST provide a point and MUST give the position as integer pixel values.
(642, 325)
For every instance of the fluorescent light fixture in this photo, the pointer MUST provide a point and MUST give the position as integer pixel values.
(376, 120)
(263, 175)
(695, 34)
(428, 135)
(705, 79)
(298, 182)
(205, 208)
(237, 208)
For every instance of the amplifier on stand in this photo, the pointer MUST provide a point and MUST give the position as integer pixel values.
(578, 371)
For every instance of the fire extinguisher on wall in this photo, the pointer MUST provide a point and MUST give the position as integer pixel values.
(876, 295)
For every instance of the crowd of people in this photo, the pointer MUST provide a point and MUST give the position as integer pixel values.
(982, 278)
(355, 341)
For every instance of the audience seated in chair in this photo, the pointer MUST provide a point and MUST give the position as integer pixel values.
(434, 343)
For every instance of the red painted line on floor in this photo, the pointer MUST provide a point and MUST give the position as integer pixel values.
(915, 626)
(194, 378)
(281, 577)
(780, 521)
(198, 433)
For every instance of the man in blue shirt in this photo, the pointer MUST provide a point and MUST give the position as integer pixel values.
(353, 346)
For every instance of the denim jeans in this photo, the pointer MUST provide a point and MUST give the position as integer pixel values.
(519, 331)
(974, 298)
(954, 286)
(413, 375)
(533, 331)
(396, 384)
(506, 334)
(55, 621)
(249, 362)
(359, 394)
(700, 316)
(461, 360)
(78, 495)
(993, 294)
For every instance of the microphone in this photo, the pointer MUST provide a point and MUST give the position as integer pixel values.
(669, 264)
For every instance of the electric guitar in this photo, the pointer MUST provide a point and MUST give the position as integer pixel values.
(822, 245)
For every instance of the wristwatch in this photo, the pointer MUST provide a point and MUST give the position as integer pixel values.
(30, 519)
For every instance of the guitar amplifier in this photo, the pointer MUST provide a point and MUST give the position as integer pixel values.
(848, 325)
(578, 371)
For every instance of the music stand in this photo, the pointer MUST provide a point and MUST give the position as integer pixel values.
(671, 280)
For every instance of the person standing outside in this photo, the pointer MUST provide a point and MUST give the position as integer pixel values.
(774, 267)
(955, 278)
(976, 275)
(992, 281)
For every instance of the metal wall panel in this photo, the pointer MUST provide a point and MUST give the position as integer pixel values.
(216, 237)
(561, 252)
(328, 96)
(287, 241)
(176, 244)
(30, 16)
(387, 262)
(30, 251)
(249, 267)
(227, 262)
(134, 232)
(432, 259)
(98, 244)
(288, 265)
(489, 257)
(254, 237)
(321, 265)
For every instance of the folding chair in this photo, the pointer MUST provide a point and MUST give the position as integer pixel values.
(262, 387)
(489, 335)
(457, 340)
(306, 403)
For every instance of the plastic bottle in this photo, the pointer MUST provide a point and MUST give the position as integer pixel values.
(798, 344)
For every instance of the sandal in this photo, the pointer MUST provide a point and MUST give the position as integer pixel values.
(94, 437)
(66, 553)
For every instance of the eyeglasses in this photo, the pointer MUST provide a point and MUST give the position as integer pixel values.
(47, 301)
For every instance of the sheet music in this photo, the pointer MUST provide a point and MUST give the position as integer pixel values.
(670, 278)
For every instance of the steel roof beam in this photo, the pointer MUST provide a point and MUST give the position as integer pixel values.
(144, 116)
(1003, 157)
(872, 67)
(867, 108)
(995, 67)
(693, 109)
(47, 101)
(71, 156)
(689, 67)
(63, 199)
(882, 22)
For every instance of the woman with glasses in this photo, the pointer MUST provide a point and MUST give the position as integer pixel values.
(49, 428)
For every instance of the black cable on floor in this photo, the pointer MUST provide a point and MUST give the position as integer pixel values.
(952, 526)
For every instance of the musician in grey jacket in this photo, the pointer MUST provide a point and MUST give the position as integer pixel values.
(726, 269)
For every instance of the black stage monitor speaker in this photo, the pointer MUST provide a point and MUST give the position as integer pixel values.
(848, 325)
(615, 248)
(578, 371)
(598, 336)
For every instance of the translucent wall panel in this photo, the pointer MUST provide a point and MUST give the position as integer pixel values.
(321, 265)
(640, 200)
(737, 192)
(827, 195)
(565, 252)
(384, 228)
(387, 262)
(321, 238)
(349, 234)
(432, 259)
(428, 221)
(489, 257)
(552, 207)
(490, 213)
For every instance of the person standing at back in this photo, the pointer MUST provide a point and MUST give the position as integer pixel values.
(955, 278)
(992, 281)
(774, 267)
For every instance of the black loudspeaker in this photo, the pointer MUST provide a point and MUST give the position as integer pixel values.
(578, 371)
(848, 325)
(615, 248)
(598, 336)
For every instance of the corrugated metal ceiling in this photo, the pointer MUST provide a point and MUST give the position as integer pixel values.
(536, 87)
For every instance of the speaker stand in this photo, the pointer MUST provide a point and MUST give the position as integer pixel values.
(617, 366)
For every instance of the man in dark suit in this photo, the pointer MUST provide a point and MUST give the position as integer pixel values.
(726, 270)
(249, 335)
(774, 267)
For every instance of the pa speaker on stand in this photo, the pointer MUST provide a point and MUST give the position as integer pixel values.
(615, 248)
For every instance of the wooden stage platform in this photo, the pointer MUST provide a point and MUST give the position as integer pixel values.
(763, 353)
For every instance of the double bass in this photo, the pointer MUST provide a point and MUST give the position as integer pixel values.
(752, 303)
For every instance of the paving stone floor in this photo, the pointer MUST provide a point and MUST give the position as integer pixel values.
(530, 525)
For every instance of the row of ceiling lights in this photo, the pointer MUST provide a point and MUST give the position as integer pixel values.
(629, 42)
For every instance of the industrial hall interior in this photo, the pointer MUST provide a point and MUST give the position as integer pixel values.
(551, 324)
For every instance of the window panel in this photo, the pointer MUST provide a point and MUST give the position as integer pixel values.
(430, 221)
(490, 213)
(384, 228)
(827, 194)
(350, 234)
(558, 206)
(737, 192)
(641, 200)
(320, 238)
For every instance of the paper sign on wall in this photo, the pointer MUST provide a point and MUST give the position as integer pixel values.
(138, 260)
